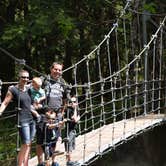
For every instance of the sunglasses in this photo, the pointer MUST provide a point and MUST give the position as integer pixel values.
(24, 77)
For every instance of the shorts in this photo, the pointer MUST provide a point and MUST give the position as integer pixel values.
(40, 133)
(27, 132)
(70, 143)
(40, 130)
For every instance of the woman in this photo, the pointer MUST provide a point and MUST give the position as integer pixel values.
(19, 93)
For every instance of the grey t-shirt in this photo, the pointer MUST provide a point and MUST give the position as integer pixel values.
(55, 92)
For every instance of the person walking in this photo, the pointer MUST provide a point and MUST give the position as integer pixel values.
(56, 95)
(19, 93)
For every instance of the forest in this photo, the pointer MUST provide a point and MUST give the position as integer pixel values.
(39, 32)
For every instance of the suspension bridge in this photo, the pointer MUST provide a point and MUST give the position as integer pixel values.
(120, 100)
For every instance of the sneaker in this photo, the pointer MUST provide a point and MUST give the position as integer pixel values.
(55, 164)
(72, 163)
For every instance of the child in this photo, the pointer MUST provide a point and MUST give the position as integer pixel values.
(37, 96)
(51, 134)
(72, 118)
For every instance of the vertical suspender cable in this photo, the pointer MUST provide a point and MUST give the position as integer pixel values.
(21, 63)
(136, 94)
(126, 102)
(125, 40)
(18, 109)
(146, 81)
(76, 93)
(160, 69)
(153, 77)
(118, 68)
(114, 110)
(90, 98)
(102, 104)
(85, 127)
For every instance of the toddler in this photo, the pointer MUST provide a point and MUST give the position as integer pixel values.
(38, 96)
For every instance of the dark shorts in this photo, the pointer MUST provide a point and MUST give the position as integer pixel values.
(42, 132)
(70, 142)
(50, 140)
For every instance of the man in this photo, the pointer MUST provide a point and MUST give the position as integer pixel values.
(56, 93)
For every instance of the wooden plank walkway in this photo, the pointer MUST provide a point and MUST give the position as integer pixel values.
(106, 137)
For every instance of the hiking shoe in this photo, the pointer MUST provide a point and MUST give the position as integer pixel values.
(55, 164)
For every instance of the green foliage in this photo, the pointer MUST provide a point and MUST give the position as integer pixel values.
(150, 7)
(40, 26)
(64, 23)
(7, 140)
(14, 35)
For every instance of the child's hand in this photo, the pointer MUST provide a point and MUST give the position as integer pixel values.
(51, 126)
(64, 120)
(61, 123)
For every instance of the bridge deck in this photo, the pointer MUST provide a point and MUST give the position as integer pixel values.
(106, 137)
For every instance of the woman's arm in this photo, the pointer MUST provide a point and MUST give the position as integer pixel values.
(6, 101)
